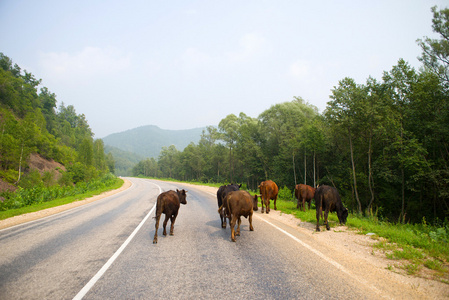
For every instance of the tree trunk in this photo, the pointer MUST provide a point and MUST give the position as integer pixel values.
(370, 176)
(20, 165)
(359, 206)
(294, 168)
(305, 166)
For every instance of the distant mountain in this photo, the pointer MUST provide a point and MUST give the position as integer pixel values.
(147, 141)
(124, 160)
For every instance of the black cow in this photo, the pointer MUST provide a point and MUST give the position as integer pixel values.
(328, 200)
(221, 194)
(168, 203)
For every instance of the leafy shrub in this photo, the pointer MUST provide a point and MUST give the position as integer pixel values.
(285, 193)
(38, 194)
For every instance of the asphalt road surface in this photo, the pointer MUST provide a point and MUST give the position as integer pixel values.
(105, 250)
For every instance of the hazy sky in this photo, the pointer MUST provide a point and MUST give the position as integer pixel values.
(187, 64)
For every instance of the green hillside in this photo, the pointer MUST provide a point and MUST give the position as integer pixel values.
(148, 140)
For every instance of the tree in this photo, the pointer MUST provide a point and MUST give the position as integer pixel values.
(229, 131)
(342, 112)
(435, 53)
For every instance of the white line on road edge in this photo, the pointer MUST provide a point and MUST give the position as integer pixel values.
(329, 260)
(106, 266)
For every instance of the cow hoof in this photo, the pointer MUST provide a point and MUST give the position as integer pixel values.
(154, 241)
(171, 233)
(318, 229)
(233, 240)
(328, 228)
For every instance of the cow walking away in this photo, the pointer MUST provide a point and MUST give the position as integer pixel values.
(237, 204)
(221, 194)
(268, 191)
(328, 200)
(168, 203)
(304, 193)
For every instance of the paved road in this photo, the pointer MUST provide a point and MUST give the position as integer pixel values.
(58, 257)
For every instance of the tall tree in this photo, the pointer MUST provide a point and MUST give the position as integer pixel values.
(435, 52)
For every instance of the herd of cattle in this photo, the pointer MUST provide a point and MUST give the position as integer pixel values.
(234, 203)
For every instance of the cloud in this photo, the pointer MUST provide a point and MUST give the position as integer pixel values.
(250, 45)
(300, 70)
(89, 62)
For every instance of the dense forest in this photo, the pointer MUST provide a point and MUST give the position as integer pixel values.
(30, 125)
(384, 144)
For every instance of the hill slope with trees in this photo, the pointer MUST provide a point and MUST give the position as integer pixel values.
(35, 135)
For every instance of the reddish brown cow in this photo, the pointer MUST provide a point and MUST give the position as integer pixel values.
(237, 204)
(268, 191)
(168, 203)
(304, 193)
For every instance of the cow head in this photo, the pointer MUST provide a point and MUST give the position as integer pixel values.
(182, 196)
(255, 208)
(343, 216)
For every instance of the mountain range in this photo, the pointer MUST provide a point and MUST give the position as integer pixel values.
(131, 146)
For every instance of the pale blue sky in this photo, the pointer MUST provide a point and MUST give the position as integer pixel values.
(187, 64)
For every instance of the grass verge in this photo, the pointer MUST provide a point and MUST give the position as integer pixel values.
(57, 202)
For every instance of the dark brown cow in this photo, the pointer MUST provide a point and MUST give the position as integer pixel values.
(268, 191)
(221, 194)
(237, 204)
(327, 199)
(304, 193)
(168, 203)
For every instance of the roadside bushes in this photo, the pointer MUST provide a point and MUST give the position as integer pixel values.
(40, 193)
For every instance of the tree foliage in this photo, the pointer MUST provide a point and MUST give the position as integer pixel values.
(31, 123)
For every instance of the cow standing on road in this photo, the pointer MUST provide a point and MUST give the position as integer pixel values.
(221, 194)
(168, 203)
(327, 199)
(268, 191)
(237, 204)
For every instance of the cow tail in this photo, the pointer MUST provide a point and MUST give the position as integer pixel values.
(227, 205)
(158, 207)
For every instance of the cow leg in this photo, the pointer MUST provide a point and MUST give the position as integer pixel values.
(298, 204)
(267, 206)
(158, 216)
(262, 201)
(309, 203)
(165, 224)
(172, 223)
(326, 213)
(238, 226)
(250, 219)
(318, 213)
(303, 204)
(274, 205)
(233, 221)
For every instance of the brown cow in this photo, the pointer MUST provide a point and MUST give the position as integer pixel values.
(268, 191)
(237, 204)
(168, 203)
(304, 193)
(221, 194)
(327, 199)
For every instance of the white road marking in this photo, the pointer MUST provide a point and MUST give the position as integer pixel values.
(106, 266)
(329, 260)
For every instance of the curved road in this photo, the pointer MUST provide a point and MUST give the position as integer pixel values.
(98, 251)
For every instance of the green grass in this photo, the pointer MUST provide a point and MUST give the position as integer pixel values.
(418, 246)
(57, 202)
